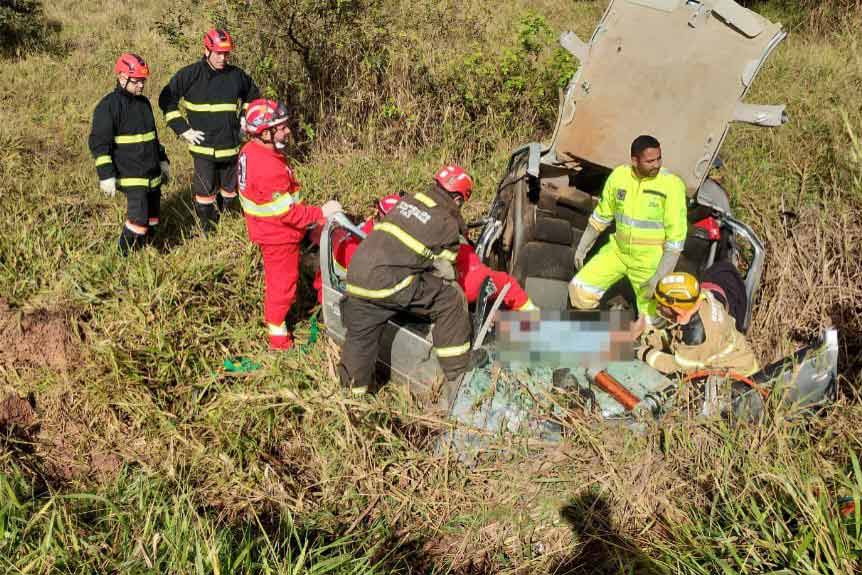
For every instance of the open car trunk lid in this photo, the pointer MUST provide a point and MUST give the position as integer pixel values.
(674, 69)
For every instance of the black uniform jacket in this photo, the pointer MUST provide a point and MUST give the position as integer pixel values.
(420, 229)
(212, 101)
(124, 141)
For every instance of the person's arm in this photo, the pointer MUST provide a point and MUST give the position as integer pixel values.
(101, 141)
(675, 218)
(600, 219)
(469, 272)
(169, 102)
(250, 91)
(603, 214)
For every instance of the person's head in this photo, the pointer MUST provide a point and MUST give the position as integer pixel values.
(132, 72)
(678, 297)
(217, 47)
(646, 156)
(385, 205)
(266, 121)
(455, 181)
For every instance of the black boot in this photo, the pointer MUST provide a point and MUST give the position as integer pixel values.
(129, 241)
(207, 216)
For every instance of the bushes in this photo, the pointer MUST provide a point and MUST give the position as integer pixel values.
(383, 74)
(23, 27)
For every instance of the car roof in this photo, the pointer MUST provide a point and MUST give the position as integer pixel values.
(673, 69)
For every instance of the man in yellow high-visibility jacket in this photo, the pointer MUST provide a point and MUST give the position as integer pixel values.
(648, 205)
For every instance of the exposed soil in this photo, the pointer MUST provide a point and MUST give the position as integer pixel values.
(35, 339)
(17, 416)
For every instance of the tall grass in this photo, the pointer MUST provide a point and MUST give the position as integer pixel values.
(272, 471)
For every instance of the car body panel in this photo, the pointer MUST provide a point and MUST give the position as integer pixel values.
(676, 70)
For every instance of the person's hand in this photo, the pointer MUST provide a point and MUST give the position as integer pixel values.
(444, 270)
(166, 171)
(242, 123)
(108, 187)
(331, 208)
(192, 136)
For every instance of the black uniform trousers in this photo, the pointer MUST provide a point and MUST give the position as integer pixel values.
(429, 298)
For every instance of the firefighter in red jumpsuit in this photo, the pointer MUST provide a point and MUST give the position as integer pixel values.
(275, 216)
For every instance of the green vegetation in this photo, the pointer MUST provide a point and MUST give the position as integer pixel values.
(23, 27)
(144, 455)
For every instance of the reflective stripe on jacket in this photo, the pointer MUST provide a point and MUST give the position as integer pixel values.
(211, 101)
(422, 228)
(650, 213)
(124, 142)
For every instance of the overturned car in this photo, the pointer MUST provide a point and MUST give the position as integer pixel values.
(677, 69)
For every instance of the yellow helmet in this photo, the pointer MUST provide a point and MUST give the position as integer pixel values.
(679, 290)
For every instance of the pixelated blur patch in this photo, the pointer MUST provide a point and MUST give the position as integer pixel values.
(564, 338)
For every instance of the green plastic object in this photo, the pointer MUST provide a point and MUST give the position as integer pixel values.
(240, 365)
(312, 336)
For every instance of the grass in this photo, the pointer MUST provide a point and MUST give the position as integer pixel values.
(149, 457)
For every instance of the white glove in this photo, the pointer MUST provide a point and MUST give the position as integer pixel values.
(242, 123)
(166, 171)
(108, 187)
(192, 136)
(331, 208)
(587, 240)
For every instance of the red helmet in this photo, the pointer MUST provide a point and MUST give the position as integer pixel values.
(263, 114)
(386, 203)
(217, 40)
(455, 180)
(132, 66)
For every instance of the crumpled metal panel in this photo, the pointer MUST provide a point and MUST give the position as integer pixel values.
(676, 73)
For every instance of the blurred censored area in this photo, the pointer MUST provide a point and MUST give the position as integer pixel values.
(557, 338)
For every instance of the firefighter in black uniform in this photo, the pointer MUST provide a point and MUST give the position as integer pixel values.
(213, 95)
(406, 264)
(128, 154)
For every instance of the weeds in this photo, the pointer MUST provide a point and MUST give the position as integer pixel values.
(145, 455)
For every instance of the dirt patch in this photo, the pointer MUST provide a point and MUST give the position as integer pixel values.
(34, 339)
(17, 416)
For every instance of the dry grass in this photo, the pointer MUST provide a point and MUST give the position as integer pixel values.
(148, 456)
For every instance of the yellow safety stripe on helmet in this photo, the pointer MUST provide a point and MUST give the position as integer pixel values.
(276, 207)
(380, 293)
(420, 197)
(280, 329)
(139, 182)
(135, 138)
(209, 107)
(414, 244)
(102, 160)
(213, 152)
(173, 115)
(452, 351)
